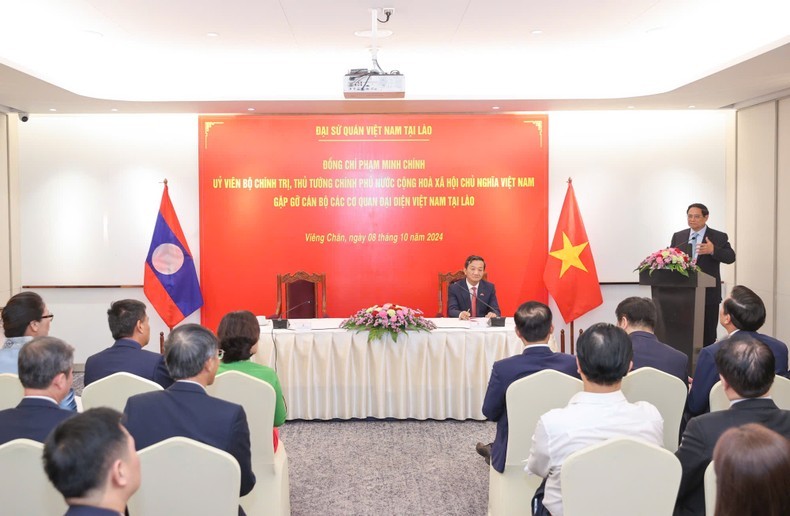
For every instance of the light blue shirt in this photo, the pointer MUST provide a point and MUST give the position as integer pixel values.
(700, 238)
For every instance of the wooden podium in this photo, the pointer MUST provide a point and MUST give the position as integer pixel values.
(680, 302)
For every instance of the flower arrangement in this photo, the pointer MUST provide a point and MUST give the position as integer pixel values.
(388, 318)
(672, 259)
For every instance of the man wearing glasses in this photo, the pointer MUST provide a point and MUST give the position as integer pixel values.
(185, 409)
(709, 248)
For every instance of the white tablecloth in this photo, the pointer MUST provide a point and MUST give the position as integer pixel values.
(333, 373)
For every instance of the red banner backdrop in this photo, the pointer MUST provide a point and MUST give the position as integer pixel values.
(380, 203)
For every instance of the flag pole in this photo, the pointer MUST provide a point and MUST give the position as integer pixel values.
(572, 337)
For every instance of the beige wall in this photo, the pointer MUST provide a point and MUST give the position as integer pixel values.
(762, 218)
(9, 212)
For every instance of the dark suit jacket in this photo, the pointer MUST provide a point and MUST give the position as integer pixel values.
(696, 447)
(87, 510)
(707, 374)
(651, 352)
(32, 419)
(185, 409)
(709, 263)
(507, 371)
(459, 299)
(127, 356)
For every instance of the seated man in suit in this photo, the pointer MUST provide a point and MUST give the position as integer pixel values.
(743, 312)
(91, 460)
(600, 412)
(637, 316)
(45, 371)
(474, 296)
(131, 330)
(746, 367)
(185, 408)
(533, 327)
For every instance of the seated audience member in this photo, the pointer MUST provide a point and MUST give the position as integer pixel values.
(752, 465)
(746, 367)
(90, 458)
(533, 327)
(238, 334)
(474, 296)
(25, 316)
(600, 412)
(637, 316)
(131, 330)
(45, 371)
(185, 409)
(744, 312)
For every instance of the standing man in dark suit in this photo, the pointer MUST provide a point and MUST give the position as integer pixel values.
(710, 248)
(473, 297)
(45, 371)
(746, 367)
(185, 409)
(131, 330)
(533, 327)
(637, 316)
(743, 312)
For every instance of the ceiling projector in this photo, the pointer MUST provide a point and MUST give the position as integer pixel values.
(372, 84)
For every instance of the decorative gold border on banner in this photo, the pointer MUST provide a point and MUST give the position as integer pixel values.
(206, 128)
(539, 125)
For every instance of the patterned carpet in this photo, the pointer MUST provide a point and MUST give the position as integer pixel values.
(384, 467)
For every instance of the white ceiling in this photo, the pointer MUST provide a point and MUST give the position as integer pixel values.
(289, 56)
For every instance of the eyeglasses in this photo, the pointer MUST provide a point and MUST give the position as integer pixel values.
(50, 316)
(220, 354)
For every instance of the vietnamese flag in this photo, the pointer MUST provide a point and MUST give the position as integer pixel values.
(171, 282)
(570, 274)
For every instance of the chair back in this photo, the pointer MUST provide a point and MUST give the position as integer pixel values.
(113, 391)
(717, 399)
(271, 494)
(258, 399)
(298, 295)
(779, 392)
(11, 391)
(664, 391)
(24, 486)
(445, 280)
(620, 477)
(183, 476)
(510, 492)
(710, 490)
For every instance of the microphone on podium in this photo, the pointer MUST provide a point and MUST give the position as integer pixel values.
(281, 323)
(494, 321)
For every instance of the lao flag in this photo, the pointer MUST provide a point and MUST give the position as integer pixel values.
(171, 282)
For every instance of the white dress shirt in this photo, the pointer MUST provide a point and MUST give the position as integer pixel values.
(589, 418)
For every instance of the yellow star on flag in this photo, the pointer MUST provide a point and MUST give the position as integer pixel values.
(569, 254)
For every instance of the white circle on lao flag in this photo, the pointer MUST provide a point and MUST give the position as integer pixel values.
(167, 259)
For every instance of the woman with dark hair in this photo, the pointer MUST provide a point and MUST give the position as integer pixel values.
(238, 334)
(752, 465)
(26, 316)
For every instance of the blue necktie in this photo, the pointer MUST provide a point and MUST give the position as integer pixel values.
(694, 245)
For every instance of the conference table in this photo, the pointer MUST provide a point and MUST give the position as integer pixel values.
(331, 373)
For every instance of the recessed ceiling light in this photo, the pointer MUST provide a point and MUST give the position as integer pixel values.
(537, 32)
(91, 34)
(52, 109)
(494, 107)
(369, 33)
(114, 110)
(692, 107)
(212, 34)
(250, 109)
(630, 107)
